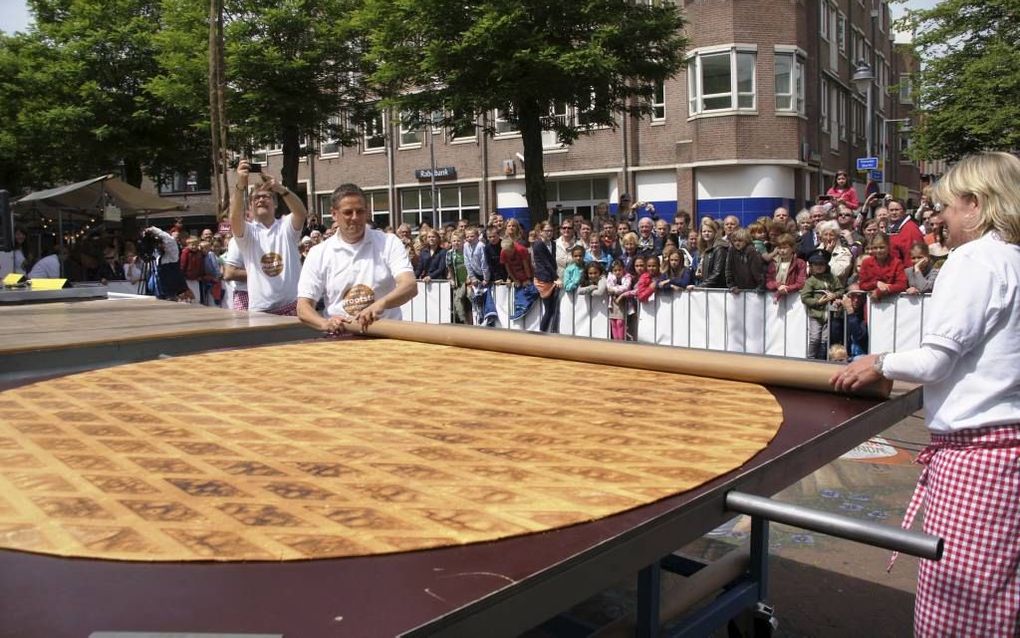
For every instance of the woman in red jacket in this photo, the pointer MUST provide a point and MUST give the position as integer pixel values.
(881, 273)
(842, 190)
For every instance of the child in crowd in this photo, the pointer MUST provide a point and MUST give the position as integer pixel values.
(638, 266)
(711, 272)
(881, 273)
(787, 272)
(745, 269)
(630, 252)
(648, 282)
(676, 275)
(574, 271)
(618, 285)
(517, 261)
(594, 281)
(456, 272)
(759, 235)
(922, 272)
(821, 288)
(838, 353)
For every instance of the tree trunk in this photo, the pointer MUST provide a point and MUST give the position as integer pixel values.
(133, 172)
(529, 122)
(217, 116)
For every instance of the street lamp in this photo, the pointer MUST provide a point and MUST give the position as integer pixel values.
(863, 76)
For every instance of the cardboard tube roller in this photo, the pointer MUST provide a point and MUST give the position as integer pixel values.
(807, 375)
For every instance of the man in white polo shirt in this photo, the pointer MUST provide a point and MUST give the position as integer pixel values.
(363, 274)
(268, 246)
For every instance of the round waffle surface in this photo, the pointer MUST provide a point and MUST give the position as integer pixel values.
(350, 448)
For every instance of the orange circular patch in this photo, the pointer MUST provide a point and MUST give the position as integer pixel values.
(272, 264)
(117, 464)
(357, 298)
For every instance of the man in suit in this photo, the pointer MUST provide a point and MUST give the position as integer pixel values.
(809, 240)
(543, 256)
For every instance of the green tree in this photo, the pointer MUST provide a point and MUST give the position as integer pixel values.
(290, 66)
(968, 88)
(75, 99)
(597, 58)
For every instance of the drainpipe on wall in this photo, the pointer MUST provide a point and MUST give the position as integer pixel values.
(391, 170)
(483, 187)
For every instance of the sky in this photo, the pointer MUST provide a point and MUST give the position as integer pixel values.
(14, 15)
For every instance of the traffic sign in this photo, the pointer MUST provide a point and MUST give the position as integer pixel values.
(875, 176)
(866, 163)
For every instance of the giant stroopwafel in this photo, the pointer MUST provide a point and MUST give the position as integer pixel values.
(332, 449)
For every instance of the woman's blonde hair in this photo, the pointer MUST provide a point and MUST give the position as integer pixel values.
(993, 179)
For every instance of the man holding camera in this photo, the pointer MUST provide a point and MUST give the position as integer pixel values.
(268, 246)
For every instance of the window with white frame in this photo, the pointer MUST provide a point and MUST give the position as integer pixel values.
(824, 103)
(906, 86)
(463, 126)
(841, 32)
(410, 134)
(378, 207)
(825, 20)
(502, 124)
(722, 81)
(885, 76)
(659, 102)
(330, 145)
(564, 114)
(862, 48)
(458, 201)
(789, 82)
(374, 137)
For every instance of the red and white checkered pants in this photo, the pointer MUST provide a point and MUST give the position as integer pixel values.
(970, 487)
(240, 300)
(286, 310)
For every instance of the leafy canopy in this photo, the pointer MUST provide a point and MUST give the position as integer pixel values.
(969, 84)
(461, 58)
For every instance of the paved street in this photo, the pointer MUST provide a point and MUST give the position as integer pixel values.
(819, 585)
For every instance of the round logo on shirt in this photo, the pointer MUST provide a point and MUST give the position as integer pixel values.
(272, 264)
(357, 298)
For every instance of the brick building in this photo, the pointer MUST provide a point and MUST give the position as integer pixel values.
(765, 113)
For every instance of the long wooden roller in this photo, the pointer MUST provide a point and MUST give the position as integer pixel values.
(808, 375)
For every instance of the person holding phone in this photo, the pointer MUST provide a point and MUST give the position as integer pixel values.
(268, 246)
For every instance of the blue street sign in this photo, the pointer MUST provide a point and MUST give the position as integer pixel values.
(865, 163)
(875, 176)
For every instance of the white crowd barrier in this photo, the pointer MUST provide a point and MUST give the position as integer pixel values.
(710, 319)
(898, 323)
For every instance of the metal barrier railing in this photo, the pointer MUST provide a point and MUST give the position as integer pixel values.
(712, 319)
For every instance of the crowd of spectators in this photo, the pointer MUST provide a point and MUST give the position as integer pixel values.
(830, 254)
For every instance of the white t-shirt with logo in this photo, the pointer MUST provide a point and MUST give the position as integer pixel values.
(334, 267)
(272, 261)
(233, 257)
